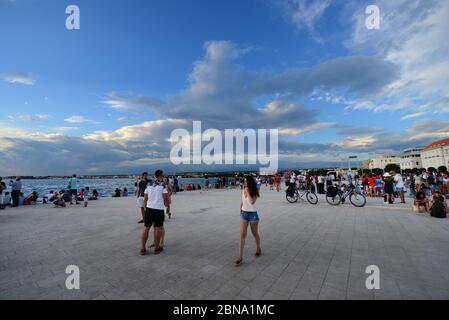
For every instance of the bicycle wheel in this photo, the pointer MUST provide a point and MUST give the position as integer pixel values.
(293, 198)
(312, 198)
(357, 199)
(333, 201)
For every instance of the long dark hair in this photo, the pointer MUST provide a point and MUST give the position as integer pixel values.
(420, 195)
(252, 187)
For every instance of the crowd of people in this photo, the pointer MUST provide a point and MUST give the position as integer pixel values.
(62, 198)
(428, 189)
(15, 197)
(118, 193)
(391, 186)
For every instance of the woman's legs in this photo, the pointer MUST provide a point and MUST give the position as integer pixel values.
(255, 231)
(391, 198)
(427, 206)
(243, 229)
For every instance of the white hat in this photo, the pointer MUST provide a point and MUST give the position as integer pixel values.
(386, 174)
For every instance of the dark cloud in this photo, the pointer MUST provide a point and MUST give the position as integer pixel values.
(222, 94)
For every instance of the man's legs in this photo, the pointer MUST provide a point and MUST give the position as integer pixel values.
(162, 236)
(144, 238)
(15, 198)
(157, 237)
(75, 194)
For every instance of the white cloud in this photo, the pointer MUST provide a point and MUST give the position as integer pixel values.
(126, 119)
(413, 36)
(356, 142)
(130, 102)
(29, 117)
(79, 119)
(316, 127)
(219, 89)
(64, 129)
(413, 116)
(17, 77)
(305, 13)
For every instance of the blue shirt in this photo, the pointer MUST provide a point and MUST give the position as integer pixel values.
(16, 185)
(73, 183)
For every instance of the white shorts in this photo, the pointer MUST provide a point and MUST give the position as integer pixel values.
(140, 202)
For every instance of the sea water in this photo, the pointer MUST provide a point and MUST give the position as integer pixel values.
(105, 187)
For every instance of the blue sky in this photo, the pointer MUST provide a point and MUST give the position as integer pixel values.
(105, 98)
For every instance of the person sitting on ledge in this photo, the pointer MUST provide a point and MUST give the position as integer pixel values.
(80, 196)
(438, 208)
(59, 200)
(2, 190)
(117, 194)
(95, 195)
(421, 203)
(66, 196)
(125, 192)
(31, 199)
(49, 197)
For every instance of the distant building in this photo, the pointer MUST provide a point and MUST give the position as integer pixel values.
(436, 154)
(380, 162)
(365, 164)
(411, 158)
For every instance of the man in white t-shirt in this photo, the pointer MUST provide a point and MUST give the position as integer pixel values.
(155, 200)
(399, 182)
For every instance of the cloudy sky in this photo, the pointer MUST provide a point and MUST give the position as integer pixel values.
(105, 98)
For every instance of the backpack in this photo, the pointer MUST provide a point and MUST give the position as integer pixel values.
(290, 191)
(331, 191)
(438, 210)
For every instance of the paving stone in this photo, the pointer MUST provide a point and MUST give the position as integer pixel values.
(309, 252)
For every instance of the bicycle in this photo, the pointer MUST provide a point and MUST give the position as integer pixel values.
(300, 193)
(356, 197)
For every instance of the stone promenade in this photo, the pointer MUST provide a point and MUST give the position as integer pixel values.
(309, 252)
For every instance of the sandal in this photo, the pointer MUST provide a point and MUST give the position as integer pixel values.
(258, 253)
(143, 252)
(158, 250)
(238, 262)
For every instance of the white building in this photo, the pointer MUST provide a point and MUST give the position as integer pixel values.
(411, 158)
(380, 162)
(436, 154)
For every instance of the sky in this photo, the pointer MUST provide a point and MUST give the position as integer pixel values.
(104, 99)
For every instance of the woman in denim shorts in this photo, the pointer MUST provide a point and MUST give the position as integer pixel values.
(248, 216)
